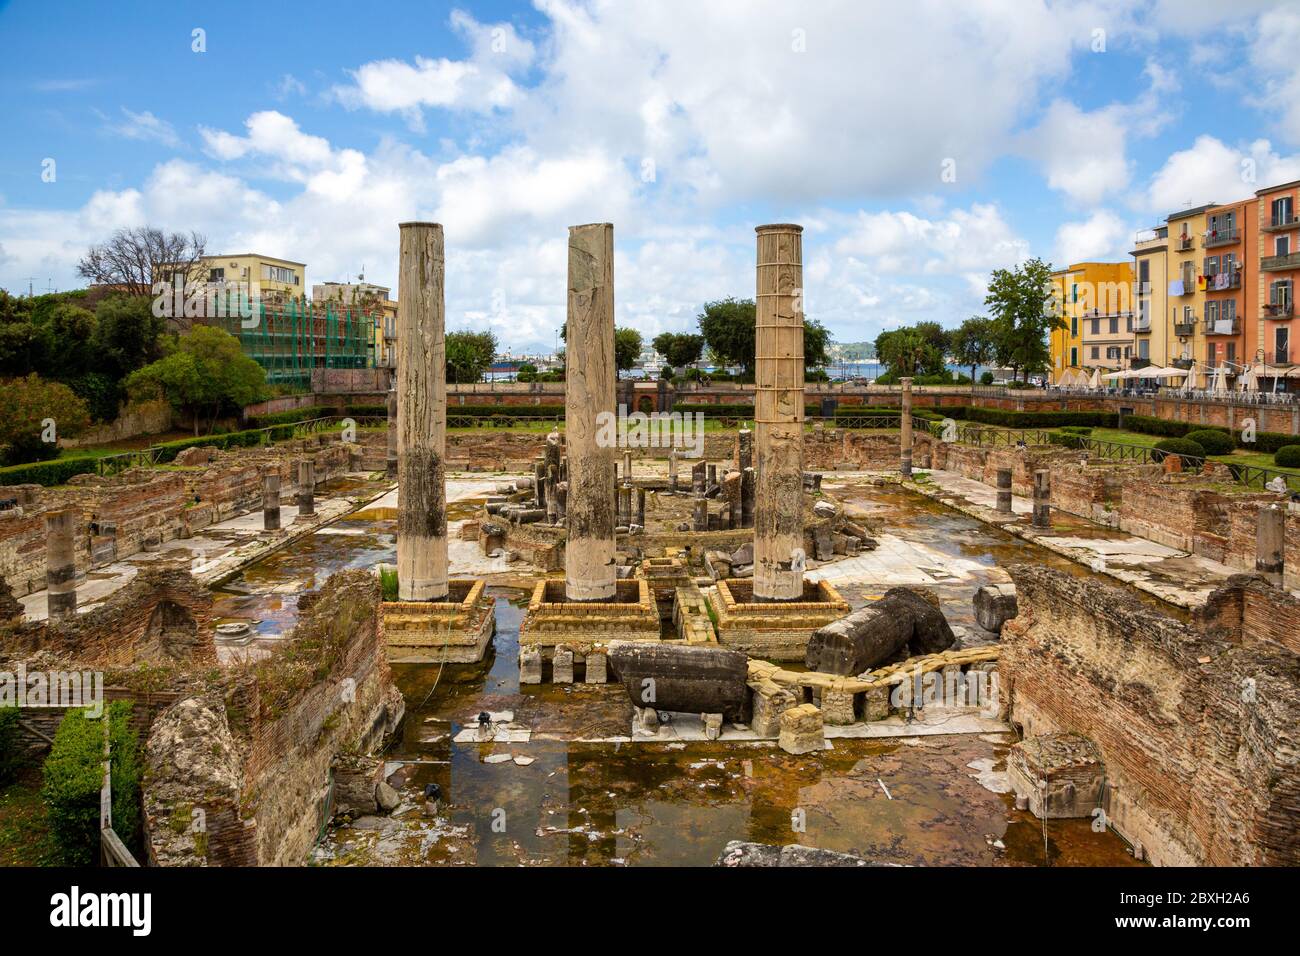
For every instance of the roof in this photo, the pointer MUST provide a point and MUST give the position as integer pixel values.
(251, 255)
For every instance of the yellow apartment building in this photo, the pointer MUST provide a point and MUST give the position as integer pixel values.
(1064, 344)
(1105, 312)
(1151, 323)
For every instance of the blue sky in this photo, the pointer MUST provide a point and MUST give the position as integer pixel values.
(309, 131)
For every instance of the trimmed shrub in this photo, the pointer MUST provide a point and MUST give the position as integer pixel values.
(1182, 447)
(1214, 442)
(73, 775)
(11, 748)
(1005, 418)
(1288, 456)
(1147, 425)
(48, 473)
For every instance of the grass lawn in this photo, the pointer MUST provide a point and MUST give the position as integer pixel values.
(24, 837)
(1258, 459)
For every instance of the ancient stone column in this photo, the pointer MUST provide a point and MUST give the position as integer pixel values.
(306, 487)
(905, 429)
(271, 499)
(589, 571)
(672, 470)
(778, 414)
(640, 507)
(1270, 538)
(701, 516)
(699, 474)
(627, 465)
(391, 460)
(747, 483)
(421, 415)
(1004, 490)
(60, 564)
(1042, 498)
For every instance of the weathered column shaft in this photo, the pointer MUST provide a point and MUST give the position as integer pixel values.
(699, 473)
(640, 507)
(390, 462)
(701, 516)
(672, 470)
(271, 499)
(589, 571)
(306, 487)
(1004, 490)
(1042, 499)
(747, 483)
(778, 414)
(905, 429)
(1270, 540)
(60, 564)
(421, 415)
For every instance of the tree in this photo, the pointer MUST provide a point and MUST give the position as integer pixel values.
(816, 338)
(1018, 299)
(627, 348)
(128, 335)
(207, 373)
(469, 355)
(527, 372)
(973, 343)
(679, 350)
(908, 352)
(34, 414)
(134, 259)
(728, 329)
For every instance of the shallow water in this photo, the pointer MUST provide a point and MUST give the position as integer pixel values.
(563, 797)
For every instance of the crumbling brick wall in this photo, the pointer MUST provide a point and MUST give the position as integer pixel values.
(325, 690)
(1198, 734)
(1247, 610)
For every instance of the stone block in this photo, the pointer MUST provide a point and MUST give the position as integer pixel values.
(712, 726)
(1060, 775)
(802, 730)
(994, 604)
(596, 668)
(530, 666)
(837, 707)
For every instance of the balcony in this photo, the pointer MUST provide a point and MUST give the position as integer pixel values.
(1280, 224)
(1280, 263)
(1221, 237)
(1189, 286)
(1184, 363)
(1279, 357)
(1280, 311)
(1223, 327)
(1141, 325)
(1185, 243)
(1187, 328)
(1233, 281)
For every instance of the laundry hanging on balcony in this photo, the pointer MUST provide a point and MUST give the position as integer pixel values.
(1200, 283)
(1176, 287)
(1222, 280)
(1223, 326)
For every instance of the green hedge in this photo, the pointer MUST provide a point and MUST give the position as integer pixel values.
(11, 748)
(168, 451)
(1212, 440)
(73, 775)
(1183, 447)
(1011, 419)
(291, 417)
(1267, 442)
(48, 473)
(1288, 456)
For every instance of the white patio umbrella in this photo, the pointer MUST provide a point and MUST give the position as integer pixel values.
(1095, 381)
(1250, 380)
(1066, 379)
(1163, 373)
(1220, 383)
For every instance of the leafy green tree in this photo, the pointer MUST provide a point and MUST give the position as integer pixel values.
(527, 372)
(816, 339)
(469, 355)
(974, 344)
(128, 335)
(679, 350)
(34, 414)
(908, 353)
(627, 348)
(1018, 298)
(728, 329)
(207, 374)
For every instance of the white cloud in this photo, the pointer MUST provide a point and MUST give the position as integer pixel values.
(967, 239)
(1102, 237)
(144, 126)
(1212, 171)
(1273, 55)
(481, 83)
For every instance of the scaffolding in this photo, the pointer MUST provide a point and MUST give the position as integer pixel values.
(291, 338)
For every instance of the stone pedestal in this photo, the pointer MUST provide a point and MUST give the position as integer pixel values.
(801, 730)
(306, 488)
(271, 500)
(596, 671)
(562, 666)
(60, 564)
(530, 666)
(905, 429)
(1060, 775)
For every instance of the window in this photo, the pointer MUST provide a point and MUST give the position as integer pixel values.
(1281, 343)
(272, 273)
(1210, 349)
(1229, 310)
(216, 275)
(1074, 358)
(1232, 351)
(1211, 313)
(1281, 210)
(1096, 328)
(1144, 348)
(1114, 326)
(1144, 272)
(1212, 265)
(1282, 246)
(1074, 326)
(1074, 293)
(1279, 294)
(1096, 352)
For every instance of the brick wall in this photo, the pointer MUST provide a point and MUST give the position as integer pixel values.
(1198, 771)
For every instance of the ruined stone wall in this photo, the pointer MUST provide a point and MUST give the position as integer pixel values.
(22, 550)
(1247, 610)
(1198, 734)
(259, 764)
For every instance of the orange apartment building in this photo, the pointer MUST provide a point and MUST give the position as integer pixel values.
(1229, 267)
(1279, 263)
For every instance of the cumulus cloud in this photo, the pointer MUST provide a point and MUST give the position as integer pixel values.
(1102, 237)
(1212, 171)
